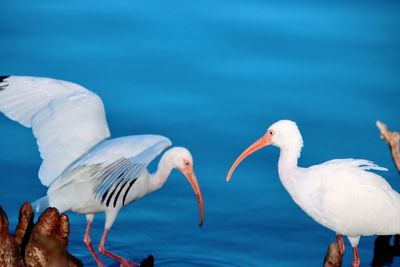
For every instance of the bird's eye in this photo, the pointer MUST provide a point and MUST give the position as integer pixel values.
(187, 163)
(270, 132)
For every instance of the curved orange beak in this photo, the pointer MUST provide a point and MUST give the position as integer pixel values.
(260, 143)
(191, 177)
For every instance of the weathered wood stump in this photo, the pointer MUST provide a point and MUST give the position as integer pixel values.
(393, 140)
(333, 258)
(36, 245)
(42, 244)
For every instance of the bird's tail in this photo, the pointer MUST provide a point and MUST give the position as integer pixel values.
(41, 204)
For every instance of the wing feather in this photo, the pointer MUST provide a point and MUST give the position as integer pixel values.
(126, 169)
(66, 119)
(357, 163)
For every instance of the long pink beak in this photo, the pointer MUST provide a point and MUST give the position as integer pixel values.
(191, 177)
(257, 145)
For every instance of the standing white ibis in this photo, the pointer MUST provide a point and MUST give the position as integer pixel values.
(340, 194)
(85, 171)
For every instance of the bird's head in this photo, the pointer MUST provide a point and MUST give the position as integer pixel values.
(181, 159)
(284, 134)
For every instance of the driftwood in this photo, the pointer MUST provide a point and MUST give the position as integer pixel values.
(393, 140)
(42, 244)
(39, 245)
(333, 258)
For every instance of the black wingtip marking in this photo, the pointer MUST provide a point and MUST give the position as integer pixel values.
(127, 190)
(2, 78)
(112, 193)
(109, 198)
(119, 192)
(104, 197)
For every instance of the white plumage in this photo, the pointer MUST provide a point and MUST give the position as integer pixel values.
(66, 119)
(86, 172)
(342, 194)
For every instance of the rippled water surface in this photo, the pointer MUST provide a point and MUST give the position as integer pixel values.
(212, 75)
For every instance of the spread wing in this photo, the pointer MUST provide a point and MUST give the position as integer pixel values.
(124, 171)
(66, 119)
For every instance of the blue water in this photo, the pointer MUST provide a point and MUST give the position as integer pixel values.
(212, 75)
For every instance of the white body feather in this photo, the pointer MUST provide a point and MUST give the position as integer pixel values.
(78, 179)
(342, 195)
(346, 198)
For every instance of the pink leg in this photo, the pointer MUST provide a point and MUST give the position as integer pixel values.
(88, 242)
(339, 238)
(356, 260)
(121, 260)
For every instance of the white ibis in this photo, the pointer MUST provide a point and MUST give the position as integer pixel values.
(85, 171)
(340, 194)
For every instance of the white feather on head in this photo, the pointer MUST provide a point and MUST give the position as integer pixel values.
(176, 156)
(286, 135)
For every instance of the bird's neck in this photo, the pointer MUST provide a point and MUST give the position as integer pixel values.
(287, 166)
(161, 175)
